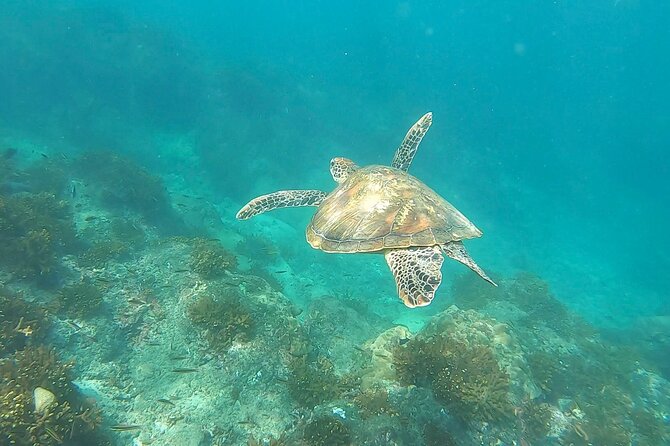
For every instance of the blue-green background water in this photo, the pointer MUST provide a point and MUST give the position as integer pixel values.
(552, 122)
(551, 131)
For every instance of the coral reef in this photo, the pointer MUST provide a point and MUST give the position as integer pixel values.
(34, 230)
(530, 295)
(211, 260)
(380, 368)
(68, 417)
(21, 324)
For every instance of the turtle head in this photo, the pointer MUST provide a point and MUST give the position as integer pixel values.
(340, 168)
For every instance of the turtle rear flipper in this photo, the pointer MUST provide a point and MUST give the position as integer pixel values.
(456, 251)
(416, 272)
(405, 153)
(281, 199)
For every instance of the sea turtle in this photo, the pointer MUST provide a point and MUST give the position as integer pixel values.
(385, 210)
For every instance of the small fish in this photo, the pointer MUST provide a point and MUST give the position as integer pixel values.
(281, 271)
(248, 422)
(181, 205)
(359, 349)
(184, 370)
(125, 427)
(137, 301)
(73, 190)
(73, 325)
(181, 271)
(91, 218)
(307, 285)
(403, 341)
(44, 155)
(165, 401)
(179, 358)
(50, 432)
(153, 343)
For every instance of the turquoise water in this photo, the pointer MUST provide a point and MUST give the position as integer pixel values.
(131, 134)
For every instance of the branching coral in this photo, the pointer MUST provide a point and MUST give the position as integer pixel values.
(210, 259)
(34, 229)
(20, 323)
(68, 417)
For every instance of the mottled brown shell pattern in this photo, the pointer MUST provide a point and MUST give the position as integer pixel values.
(380, 207)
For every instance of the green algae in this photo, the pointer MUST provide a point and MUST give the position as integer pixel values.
(373, 402)
(436, 435)
(313, 382)
(82, 299)
(211, 260)
(100, 253)
(222, 318)
(123, 184)
(465, 377)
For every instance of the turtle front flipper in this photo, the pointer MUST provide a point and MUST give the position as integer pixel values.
(457, 251)
(281, 199)
(416, 272)
(405, 153)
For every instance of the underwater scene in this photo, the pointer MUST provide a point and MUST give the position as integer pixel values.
(334, 223)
